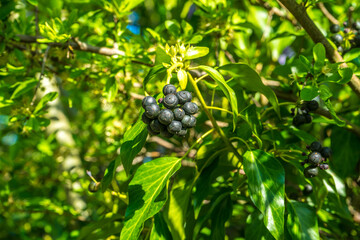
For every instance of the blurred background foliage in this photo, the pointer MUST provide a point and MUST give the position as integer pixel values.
(91, 99)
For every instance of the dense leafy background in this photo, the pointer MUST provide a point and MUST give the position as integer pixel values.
(66, 108)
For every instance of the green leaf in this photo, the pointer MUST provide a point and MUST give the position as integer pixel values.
(33, 2)
(337, 120)
(249, 79)
(111, 89)
(147, 193)
(159, 230)
(51, 96)
(182, 77)
(325, 92)
(319, 56)
(196, 52)
(308, 93)
(352, 54)
(266, 178)
(229, 92)
(134, 140)
(302, 221)
(305, 62)
(346, 152)
(173, 27)
(109, 175)
(250, 115)
(346, 75)
(221, 213)
(153, 73)
(24, 87)
(255, 228)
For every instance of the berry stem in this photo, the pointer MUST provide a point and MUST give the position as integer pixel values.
(211, 118)
(220, 109)
(197, 141)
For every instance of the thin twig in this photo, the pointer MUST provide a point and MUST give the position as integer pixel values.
(327, 14)
(316, 35)
(41, 74)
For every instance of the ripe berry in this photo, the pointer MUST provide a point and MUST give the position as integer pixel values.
(190, 108)
(152, 111)
(182, 132)
(308, 118)
(171, 101)
(179, 113)
(334, 28)
(151, 132)
(174, 127)
(308, 189)
(156, 126)
(145, 119)
(340, 49)
(324, 166)
(166, 116)
(315, 158)
(188, 121)
(93, 186)
(312, 105)
(326, 152)
(168, 89)
(299, 120)
(337, 39)
(184, 96)
(147, 101)
(315, 146)
(356, 25)
(311, 171)
(165, 133)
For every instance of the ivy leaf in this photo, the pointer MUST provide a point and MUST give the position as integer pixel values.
(302, 221)
(249, 79)
(51, 96)
(196, 52)
(147, 193)
(182, 77)
(228, 91)
(134, 140)
(266, 179)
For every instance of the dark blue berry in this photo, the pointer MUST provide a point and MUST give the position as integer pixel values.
(315, 146)
(312, 105)
(179, 114)
(152, 111)
(334, 28)
(174, 127)
(145, 119)
(315, 158)
(326, 152)
(190, 108)
(168, 89)
(147, 101)
(356, 25)
(337, 39)
(166, 116)
(299, 120)
(184, 96)
(188, 121)
(182, 132)
(156, 126)
(308, 189)
(151, 132)
(165, 133)
(171, 101)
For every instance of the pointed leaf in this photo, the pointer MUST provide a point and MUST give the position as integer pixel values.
(44, 100)
(338, 121)
(159, 230)
(249, 79)
(153, 73)
(182, 77)
(24, 87)
(302, 221)
(196, 52)
(266, 179)
(147, 193)
(255, 228)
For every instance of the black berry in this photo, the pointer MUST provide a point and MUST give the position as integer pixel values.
(174, 127)
(315, 158)
(326, 152)
(340, 49)
(166, 116)
(299, 120)
(147, 101)
(152, 111)
(337, 38)
(308, 189)
(311, 171)
(182, 132)
(171, 101)
(179, 114)
(334, 28)
(188, 121)
(315, 146)
(156, 126)
(356, 25)
(191, 108)
(168, 89)
(145, 119)
(184, 96)
(308, 118)
(165, 133)
(151, 132)
(312, 105)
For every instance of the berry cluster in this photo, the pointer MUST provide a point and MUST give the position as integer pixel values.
(316, 159)
(175, 118)
(349, 31)
(303, 113)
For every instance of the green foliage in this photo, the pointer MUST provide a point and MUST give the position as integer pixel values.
(72, 78)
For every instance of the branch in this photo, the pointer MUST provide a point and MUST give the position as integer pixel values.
(327, 14)
(80, 46)
(276, 11)
(303, 18)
